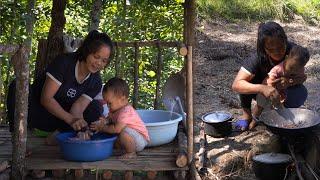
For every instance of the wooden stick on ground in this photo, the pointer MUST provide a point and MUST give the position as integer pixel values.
(202, 150)
(182, 158)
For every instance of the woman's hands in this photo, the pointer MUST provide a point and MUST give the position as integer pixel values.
(285, 82)
(78, 123)
(272, 94)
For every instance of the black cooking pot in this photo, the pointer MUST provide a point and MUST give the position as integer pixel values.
(271, 166)
(217, 124)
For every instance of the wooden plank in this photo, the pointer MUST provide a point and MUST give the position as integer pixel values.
(159, 68)
(110, 164)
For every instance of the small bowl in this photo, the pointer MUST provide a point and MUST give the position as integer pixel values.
(98, 148)
(271, 166)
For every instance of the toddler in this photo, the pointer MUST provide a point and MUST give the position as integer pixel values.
(292, 67)
(122, 119)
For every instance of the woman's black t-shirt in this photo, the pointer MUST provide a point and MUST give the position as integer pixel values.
(63, 70)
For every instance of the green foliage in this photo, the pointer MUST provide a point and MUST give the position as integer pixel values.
(235, 10)
(141, 21)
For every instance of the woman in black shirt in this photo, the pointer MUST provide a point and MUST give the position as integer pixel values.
(63, 98)
(272, 48)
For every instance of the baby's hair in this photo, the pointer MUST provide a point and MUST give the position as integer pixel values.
(118, 86)
(300, 54)
(266, 30)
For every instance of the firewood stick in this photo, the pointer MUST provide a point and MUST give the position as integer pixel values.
(202, 150)
(183, 51)
(182, 159)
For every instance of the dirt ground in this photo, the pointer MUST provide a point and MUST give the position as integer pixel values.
(221, 47)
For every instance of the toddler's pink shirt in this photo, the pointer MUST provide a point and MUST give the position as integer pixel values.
(129, 116)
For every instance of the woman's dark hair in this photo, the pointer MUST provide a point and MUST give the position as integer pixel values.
(92, 43)
(269, 29)
(118, 86)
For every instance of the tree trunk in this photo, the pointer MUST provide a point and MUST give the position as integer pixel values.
(21, 69)
(1, 93)
(29, 24)
(55, 37)
(95, 15)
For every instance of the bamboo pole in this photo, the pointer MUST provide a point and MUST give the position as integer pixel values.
(190, 104)
(150, 43)
(136, 76)
(7, 48)
(117, 61)
(159, 68)
(189, 27)
(21, 69)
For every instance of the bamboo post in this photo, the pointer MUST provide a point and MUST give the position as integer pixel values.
(159, 68)
(21, 69)
(190, 104)
(189, 27)
(117, 61)
(136, 76)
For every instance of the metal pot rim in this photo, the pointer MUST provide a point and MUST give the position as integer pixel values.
(272, 158)
(216, 117)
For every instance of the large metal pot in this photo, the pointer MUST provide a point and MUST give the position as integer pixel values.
(271, 166)
(217, 123)
(290, 121)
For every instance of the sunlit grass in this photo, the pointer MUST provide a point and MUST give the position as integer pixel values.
(235, 10)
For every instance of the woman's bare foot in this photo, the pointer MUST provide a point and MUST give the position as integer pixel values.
(131, 155)
(38, 174)
(51, 139)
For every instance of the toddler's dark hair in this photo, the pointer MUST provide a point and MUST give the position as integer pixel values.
(118, 86)
(269, 29)
(300, 54)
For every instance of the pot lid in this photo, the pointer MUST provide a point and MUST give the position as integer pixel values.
(216, 117)
(272, 158)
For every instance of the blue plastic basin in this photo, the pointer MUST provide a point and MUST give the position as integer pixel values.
(162, 125)
(98, 148)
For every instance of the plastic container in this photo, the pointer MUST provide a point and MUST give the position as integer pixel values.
(98, 148)
(162, 125)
